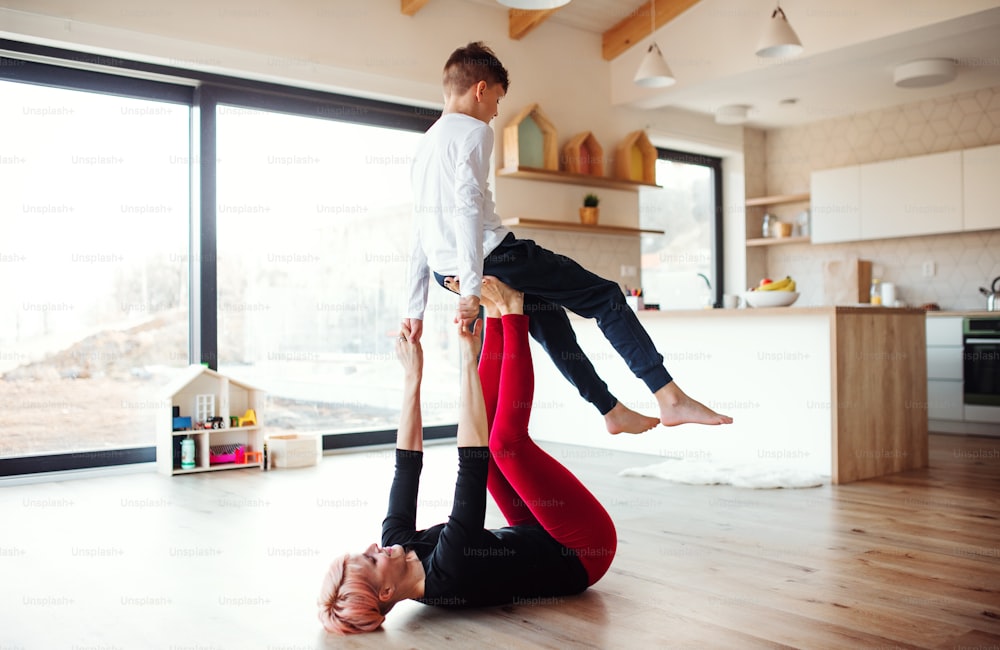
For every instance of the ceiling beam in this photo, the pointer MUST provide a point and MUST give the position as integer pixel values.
(522, 21)
(636, 27)
(411, 7)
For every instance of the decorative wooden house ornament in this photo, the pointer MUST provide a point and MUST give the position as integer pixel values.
(636, 158)
(583, 154)
(529, 140)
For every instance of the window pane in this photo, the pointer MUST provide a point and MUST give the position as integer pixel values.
(671, 263)
(94, 207)
(313, 232)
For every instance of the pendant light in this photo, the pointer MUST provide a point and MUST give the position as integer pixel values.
(779, 39)
(653, 72)
(534, 5)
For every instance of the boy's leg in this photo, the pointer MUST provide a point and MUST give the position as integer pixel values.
(557, 279)
(559, 502)
(552, 329)
(549, 325)
(560, 280)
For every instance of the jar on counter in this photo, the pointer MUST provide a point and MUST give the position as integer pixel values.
(876, 292)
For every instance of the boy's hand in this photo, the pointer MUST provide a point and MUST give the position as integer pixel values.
(468, 308)
(416, 327)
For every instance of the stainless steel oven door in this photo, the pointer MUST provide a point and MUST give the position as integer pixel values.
(981, 378)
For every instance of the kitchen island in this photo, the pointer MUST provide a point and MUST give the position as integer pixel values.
(838, 390)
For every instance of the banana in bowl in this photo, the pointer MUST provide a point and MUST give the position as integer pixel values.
(773, 294)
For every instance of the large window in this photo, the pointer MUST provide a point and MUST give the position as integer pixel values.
(289, 272)
(94, 211)
(313, 232)
(682, 269)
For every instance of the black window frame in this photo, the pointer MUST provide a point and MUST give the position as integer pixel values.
(718, 233)
(203, 92)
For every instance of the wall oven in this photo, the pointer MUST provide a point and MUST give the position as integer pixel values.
(981, 369)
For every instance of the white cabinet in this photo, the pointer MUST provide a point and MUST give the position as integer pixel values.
(981, 188)
(836, 205)
(201, 394)
(944, 400)
(906, 197)
(944, 368)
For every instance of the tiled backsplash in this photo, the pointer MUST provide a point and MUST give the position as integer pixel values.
(964, 262)
(600, 254)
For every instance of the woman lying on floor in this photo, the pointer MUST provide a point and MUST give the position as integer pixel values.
(559, 539)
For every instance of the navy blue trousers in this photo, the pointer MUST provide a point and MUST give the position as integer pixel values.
(550, 282)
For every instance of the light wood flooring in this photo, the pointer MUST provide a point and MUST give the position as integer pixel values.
(233, 560)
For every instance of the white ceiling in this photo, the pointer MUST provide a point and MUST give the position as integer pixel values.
(851, 50)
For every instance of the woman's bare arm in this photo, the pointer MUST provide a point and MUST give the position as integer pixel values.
(410, 434)
(472, 427)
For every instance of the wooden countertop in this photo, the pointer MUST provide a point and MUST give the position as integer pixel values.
(778, 311)
(964, 313)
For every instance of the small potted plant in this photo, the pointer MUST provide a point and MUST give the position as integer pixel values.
(589, 211)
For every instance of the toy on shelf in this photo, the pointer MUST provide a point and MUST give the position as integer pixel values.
(204, 408)
(218, 454)
(182, 424)
(248, 419)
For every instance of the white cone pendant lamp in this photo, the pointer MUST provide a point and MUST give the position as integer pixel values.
(653, 72)
(779, 39)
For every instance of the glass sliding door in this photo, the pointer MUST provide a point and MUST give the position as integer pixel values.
(313, 231)
(94, 213)
(681, 269)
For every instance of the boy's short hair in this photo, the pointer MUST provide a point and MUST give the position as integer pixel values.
(471, 64)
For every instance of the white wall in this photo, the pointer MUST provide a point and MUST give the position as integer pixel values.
(370, 49)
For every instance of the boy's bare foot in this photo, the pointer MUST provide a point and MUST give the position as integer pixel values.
(508, 300)
(676, 407)
(451, 284)
(622, 419)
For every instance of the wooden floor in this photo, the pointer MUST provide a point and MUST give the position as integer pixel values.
(234, 560)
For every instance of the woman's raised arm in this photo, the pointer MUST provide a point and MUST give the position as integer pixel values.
(410, 434)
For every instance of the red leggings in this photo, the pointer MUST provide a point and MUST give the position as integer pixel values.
(530, 486)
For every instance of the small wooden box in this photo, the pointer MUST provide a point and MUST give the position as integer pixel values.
(293, 450)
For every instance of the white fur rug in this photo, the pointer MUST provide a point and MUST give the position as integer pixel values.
(757, 475)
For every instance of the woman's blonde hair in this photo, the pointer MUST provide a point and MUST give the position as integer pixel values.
(348, 602)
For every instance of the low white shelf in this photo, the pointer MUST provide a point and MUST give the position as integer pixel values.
(193, 391)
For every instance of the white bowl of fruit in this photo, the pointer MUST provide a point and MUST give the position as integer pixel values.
(772, 293)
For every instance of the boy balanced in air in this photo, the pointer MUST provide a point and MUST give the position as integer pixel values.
(458, 237)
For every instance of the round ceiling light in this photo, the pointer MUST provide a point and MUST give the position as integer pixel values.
(924, 73)
(535, 5)
(732, 114)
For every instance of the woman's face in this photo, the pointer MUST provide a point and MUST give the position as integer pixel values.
(387, 565)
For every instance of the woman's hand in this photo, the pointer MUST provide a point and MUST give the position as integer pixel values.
(409, 352)
(470, 340)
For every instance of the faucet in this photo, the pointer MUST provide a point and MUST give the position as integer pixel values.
(710, 301)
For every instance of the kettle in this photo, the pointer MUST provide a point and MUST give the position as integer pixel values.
(992, 295)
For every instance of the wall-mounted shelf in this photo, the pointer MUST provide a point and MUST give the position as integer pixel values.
(777, 241)
(778, 199)
(552, 176)
(544, 224)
